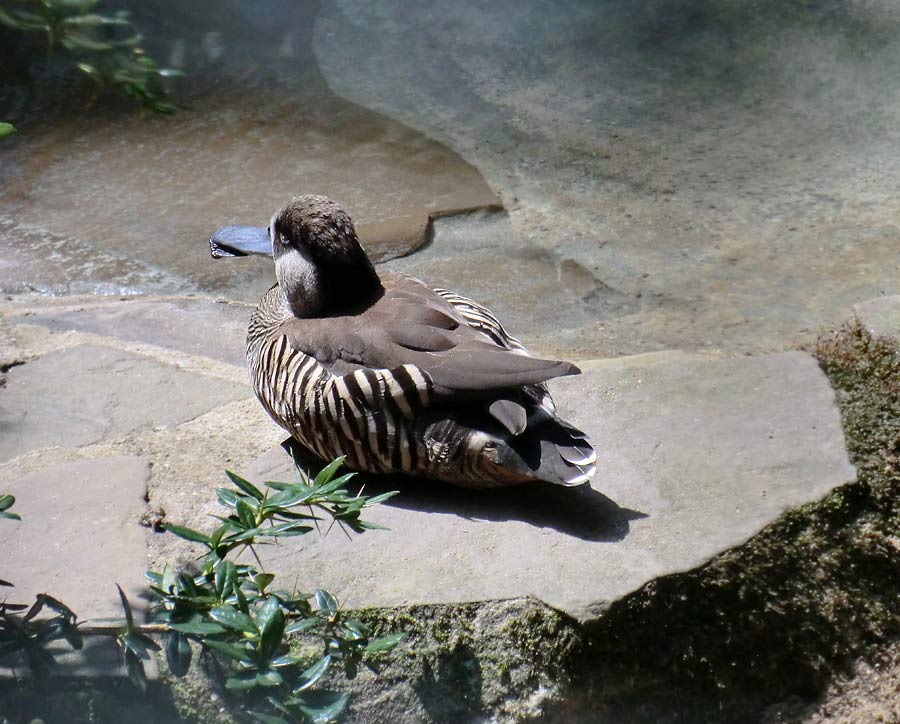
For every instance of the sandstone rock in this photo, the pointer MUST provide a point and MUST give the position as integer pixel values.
(195, 326)
(88, 393)
(880, 316)
(79, 536)
(697, 454)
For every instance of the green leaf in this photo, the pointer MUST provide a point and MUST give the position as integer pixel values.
(246, 513)
(129, 617)
(328, 471)
(94, 21)
(22, 21)
(245, 485)
(269, 677)
(264, 718)
(385, 643)
(89, 70)
(4, 607)
(233, 619)
(6, 501)
(358, 629)
(77, 41)
(226, 576)
(168, 579)
(178, 653)
(242, 681)
(187, 533)
(330, 488)
(377, 499)
(285, 529)
(10, 516)
(369, 525)
(271, 626)
(81, 6)
(140, 644)
(216, 536)
(262, 580)
(135, 668)
(289, 496)
(248, 534)
(322, 707)
(309, 677)
(227, 497)
(42, 600)
(72, 636)
(304, 625)
(286, 660)
(232, 651)
(275, 485)
(197, 628)
(325, 601)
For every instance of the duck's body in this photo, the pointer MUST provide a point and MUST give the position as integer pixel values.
(399, 377)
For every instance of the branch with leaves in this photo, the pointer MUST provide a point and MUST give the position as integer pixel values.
(105, 47)
(230, 611)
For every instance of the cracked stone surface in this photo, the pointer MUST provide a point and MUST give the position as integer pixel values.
(87, 393)
(881, 316)
(195, 326)
(696, 455)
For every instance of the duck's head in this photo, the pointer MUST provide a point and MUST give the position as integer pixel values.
(319, 263)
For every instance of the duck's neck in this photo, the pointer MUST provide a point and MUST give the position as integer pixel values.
(312, 290)
(302, 284)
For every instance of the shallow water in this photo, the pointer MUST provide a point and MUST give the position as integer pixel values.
(675, 174)
(115, 202)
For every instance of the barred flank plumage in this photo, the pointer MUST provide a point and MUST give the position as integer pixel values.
(386, 420)
(392, 374)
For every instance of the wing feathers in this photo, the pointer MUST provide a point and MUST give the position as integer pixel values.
(412, 324)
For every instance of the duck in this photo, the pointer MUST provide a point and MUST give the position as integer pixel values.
(394, 375)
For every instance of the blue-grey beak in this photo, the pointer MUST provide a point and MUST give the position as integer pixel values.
(240, 241)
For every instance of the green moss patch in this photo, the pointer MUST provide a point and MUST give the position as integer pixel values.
(774, 620)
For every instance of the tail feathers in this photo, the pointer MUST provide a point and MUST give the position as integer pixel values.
(557, 468)
(580, 454)
(554, 452)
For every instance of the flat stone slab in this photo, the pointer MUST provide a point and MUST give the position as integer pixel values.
(79, 536)
(880, 316)
(217, 330)
(697, 454)
(88, 393)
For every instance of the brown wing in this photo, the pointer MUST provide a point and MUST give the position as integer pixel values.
(412, 324)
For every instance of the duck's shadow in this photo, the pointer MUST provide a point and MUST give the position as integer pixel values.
(580, 512)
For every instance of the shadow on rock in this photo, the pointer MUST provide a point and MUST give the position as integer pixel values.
(581, 512)
(450, 688)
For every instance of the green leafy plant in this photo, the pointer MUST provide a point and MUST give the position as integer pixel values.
(106, 47)
(233, 611)
(7, 502)
(6, 129)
